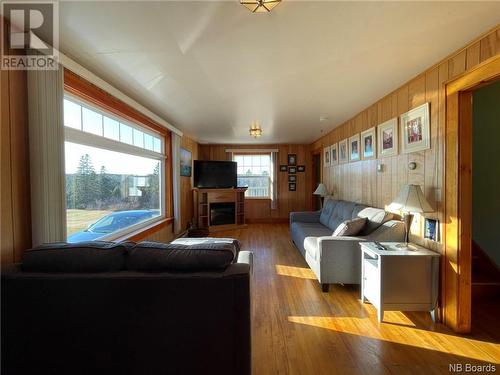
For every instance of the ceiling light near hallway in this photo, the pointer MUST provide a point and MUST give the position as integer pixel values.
(260, 6)
(255, 130)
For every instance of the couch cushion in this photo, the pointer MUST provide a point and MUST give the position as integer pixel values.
(350, 227)
(326, 211)
(204, 240)
(300, 231)
(375, 217)
(90, 257)
(342, 212)
(157, 257)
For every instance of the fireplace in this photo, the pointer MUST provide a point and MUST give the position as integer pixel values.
(222, 213)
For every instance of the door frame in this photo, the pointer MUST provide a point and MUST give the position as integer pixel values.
(313, 169)
(456, 278)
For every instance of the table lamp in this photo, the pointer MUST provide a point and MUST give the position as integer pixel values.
(410, 199)
(321, 191)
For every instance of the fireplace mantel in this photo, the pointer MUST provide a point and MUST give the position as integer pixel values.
(204, 198)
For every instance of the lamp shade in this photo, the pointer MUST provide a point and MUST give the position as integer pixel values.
(411, 199)
(321, 190)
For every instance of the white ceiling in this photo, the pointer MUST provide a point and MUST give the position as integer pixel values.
(211, 68)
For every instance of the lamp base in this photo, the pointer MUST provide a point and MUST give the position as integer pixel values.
(407, 219)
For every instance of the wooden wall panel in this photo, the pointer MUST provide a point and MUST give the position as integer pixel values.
(259, 210)
(15, 228)
(187, 209)
(360, 182)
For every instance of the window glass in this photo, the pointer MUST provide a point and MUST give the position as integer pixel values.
(126, 134)
(111, 128)
(254, 172)
(138, 138)
(108, 191)
(157, 145)
(72, 115)
(148, 142)
(92, 121)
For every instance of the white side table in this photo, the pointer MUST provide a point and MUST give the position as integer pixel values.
(399, 279)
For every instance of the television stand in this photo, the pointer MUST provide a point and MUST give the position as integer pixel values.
(220, 209)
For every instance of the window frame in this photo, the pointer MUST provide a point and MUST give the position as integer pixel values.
(268, 197)
(92, 97)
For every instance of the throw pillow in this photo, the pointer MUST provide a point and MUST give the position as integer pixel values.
(350, 227)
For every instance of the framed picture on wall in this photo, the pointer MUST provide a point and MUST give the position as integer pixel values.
(334, 157)
(292, 159)
(292, 186)
(343, 157)
(186, 162)
(415, 129)
(387, 138)
(326, 156)
(368, 145)
(292, 178)
(283, 168)
(292, 170)
(354, 152)
(431, 229)
(301, 168)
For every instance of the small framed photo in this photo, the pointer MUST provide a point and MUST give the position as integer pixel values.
(292, 170)
(301, 168)
(354, 152)
(283, 168)
(343, 156)
(334, 157)
(292, 178)
(292, 159)
(431, 229)
(292, 186)
(368, 145)
(388, 138)
(326, 157)
(415, 129)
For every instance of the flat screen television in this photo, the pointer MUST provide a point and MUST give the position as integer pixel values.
(215, 174)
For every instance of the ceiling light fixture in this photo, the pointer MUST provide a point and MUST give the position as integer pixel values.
(260, 6)
(255, 130)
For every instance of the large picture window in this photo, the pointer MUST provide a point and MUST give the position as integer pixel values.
(254, 171)
(114, 173)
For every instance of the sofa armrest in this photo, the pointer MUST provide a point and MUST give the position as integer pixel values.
(331, 249)
(246, 257)
(305, 217)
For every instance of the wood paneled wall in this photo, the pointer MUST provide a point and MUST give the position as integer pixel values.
(360, 181)
(259, 210)
(187, 205)
(15, 210)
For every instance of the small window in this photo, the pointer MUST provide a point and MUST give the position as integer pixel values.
(254, 171)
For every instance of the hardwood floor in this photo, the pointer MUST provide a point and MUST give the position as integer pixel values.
(297, 329)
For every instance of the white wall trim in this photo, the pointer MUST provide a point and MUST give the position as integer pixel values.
(76, 68)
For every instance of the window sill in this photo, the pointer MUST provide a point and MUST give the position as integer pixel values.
(142, 233)
(257, 198)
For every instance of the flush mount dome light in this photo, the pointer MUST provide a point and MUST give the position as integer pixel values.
(255, 130)
(260, 6)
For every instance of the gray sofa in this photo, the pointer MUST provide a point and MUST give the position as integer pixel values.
(337, 259)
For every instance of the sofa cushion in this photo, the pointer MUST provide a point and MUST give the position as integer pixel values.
(342, 212)
(301, 230)
(204, 240)
(157, 257)
(375, 217)
(85, 257)
(326, 211)
(350, 227)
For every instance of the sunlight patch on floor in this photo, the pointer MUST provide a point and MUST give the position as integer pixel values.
(399, 333)
(302, 273)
